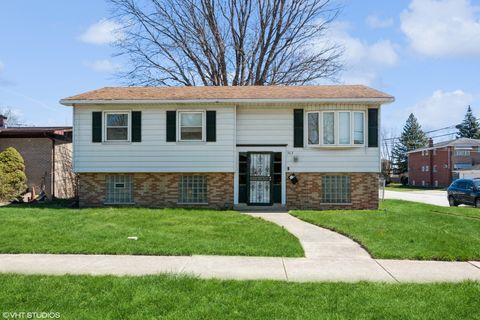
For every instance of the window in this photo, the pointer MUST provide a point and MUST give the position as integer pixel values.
(436, 183)
(434, 168)
(328, 128)
(336, 189)
(116, 126)
(423, 183)
(119, 189)
(193, 190)
(434, 152)
(424, 152)
(423, 168)
(336, 128)
(191, 126)
(426, 168)
(313, 128)
(358, 128)
(462, 153)
(344, 127)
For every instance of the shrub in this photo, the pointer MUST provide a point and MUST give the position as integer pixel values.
(13, 181)
(404, 180)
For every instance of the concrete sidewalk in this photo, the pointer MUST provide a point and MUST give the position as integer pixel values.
(329, 257)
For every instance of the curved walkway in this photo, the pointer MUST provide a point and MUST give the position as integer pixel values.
(328, 257)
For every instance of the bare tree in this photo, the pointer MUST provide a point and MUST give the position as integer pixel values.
(226, 42)
(13, 119)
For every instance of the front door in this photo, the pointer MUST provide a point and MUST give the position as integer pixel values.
(260, 179)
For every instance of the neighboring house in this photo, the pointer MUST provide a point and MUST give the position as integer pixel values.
(47, 152)
(298, 147)
(437, 164)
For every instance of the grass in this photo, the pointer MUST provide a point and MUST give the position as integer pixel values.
(55, 229)
(401, 188)
(407, 230)
(169, 297)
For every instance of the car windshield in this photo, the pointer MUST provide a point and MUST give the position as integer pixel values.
(476, 183)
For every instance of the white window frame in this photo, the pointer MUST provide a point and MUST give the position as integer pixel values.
(105, 127)
(336, 121)
(179, 125)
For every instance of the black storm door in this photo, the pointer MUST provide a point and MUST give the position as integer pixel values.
(259, 183)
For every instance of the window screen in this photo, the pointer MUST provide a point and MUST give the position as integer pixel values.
(336, 189)
(193, 189)
(119, 189)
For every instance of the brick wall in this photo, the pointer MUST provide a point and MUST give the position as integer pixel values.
(157, 189)
(37, 154)
(307, 193)
(439, 168)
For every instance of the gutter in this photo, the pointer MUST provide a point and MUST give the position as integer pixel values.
(67, 102)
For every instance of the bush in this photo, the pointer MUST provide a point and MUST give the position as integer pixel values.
(13, 181)
(404, 180)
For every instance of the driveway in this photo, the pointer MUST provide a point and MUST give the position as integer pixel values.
(435, 197)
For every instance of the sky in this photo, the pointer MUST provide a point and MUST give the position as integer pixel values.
(426, 53)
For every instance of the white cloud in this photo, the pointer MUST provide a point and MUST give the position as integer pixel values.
(102, 32)
(104, 66)
(363, 60)
(442, 27)
(441, 109)
(374, 21)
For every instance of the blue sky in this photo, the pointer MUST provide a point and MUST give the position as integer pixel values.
(424, 52)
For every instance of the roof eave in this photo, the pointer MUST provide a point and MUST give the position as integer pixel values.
(378, 100)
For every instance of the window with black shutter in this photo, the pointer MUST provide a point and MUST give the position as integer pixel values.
(373, 128)
(298, 128)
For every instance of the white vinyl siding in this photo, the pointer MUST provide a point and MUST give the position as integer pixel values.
(261, 125)
(248, 125)
(154, 154)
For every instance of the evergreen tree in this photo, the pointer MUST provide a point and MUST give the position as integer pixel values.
(469, 128)
(13, 182)
(412, 138)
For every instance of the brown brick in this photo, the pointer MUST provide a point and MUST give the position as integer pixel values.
(157, 189)
(307, 193)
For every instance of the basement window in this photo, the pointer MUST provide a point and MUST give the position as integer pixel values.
(193, 190)
(119, 189)
(336, 190)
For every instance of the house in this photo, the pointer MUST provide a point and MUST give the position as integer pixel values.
(310, 147)
(437, 164)
(47, 152)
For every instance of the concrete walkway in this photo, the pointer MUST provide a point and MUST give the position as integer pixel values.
(435, 197)
(329, 257)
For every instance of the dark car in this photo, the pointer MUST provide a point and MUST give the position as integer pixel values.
(464, 191)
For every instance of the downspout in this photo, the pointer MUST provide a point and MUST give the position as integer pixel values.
(53, 176)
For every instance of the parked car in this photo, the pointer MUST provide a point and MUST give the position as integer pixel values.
(464, 191)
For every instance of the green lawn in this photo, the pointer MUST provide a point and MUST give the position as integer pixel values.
(168, 297)
(40, 229)
(401, 188)
(407, 230)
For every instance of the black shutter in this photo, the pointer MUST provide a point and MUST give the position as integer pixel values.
(211, 126)
(171, 126)
(373, 128)
(298, 128)
(97, 126)
(136, 126)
